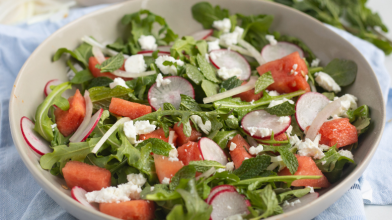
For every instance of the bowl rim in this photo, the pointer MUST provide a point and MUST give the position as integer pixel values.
(345, 183)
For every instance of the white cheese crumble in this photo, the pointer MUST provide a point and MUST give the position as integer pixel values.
(136, 179)
(289, 130)
(135, 64)
(220, 170)
(168, 69)
(306, 77)
(293, 70)
(53, 126)
(148, 42)
(160, 81)
(256, 150)
(347, 102)
(231, 116)
(294, 140)
(323, 162)
(315, 63)
(231, 38)
(311, 189)
(222, 25)
(310, 148)
(327, 82)
(140, 127)
(262, 132)
(284, 119)
(166, 180)
(252, 103)
(173, 155)
(324, 147)
(152, 188)
(271, 39)
(230, 166)
(213, 45)
(232, 146)
(273, 93)
(207, 57)
(205, 127)
(118, 82)
(239, 31)
(280, 101)
(346, 153)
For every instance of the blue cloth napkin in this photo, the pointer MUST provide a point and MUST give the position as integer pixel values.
(22, 198)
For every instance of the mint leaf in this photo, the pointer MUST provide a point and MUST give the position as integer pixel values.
(290, 194)
(204, 165)
(194, 74)
(252, 167)
(188, 104)
(343, 72)
(186, 172)
(111, 64)
(209, 87)
(230, 83)
(159, 146)
(284, 109)
(263, 82)
(266, 200)
(222, 137)
(99, 81)
(206, 68)
(288, 158)
(101, 96)
(82, 77)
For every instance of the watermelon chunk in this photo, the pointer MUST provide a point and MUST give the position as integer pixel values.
(189, 152)
(240, 153)
(68, 121)
(92, 62)
(128, 109)
(338, 131)
(166, 168)
(250, 95)
(306, 166)
(90, 178)
(182, 138)
(159, 133)
(130, 210)
(285, 81)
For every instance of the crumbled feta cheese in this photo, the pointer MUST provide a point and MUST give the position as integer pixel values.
(271, 39)
(273, 93)
(284, 119)
(346, 153)
(140, 127)
(295, 66)
(220, 170)
(226, 73)
(144, 127)
(289, 130)
(347, 102)
(306, 77)
(135, 64)
(152, 188)
(229, 38)
(310, 148)
(327, 82)
(252, 103)
(229, 207)
(130, 131)
(148, 42)
(315, 63)
(160, 81)
(280, 101)
(252, 130)
(231, 116)
(234, 217)
(173, 155)
(294, 140)
(230, 166)
(232, 146)
(263, 132)
(293, 70)
(286, 203)
(296, 202)
(311, 189)
(53, 126)
(256, 150)
(323, 147)
(168, 69)
(213, 45)
(222, 25)
(166, 180)
(136, 179)
(323, 162)
(246, 158)
(118, 82)
(205, 127)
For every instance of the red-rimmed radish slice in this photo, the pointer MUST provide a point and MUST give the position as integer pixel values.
(211, 151)
(227, 203)
(125, 74)
(237, 90)
(170, 93)
(307, 108)
(91, 125)
(171, 137)
(98, 54)
(280, 50)
(304, 200)
(79, 194)
(202, 35)
(53, 82)
(149, 53)
(219, 188)
(230, 59)
(321, 117)
(254, 122)
(36, 142)
(89, 111)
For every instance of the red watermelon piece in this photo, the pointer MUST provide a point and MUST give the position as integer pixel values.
(129, 109)
(182, 138)
(166, 168)
(159, 133)
(239, 154)
(130, 210)
(338, 131)
(189, 152)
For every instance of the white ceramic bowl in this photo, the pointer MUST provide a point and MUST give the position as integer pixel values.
(105, 26)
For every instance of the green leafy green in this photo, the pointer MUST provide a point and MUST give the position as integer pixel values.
(206, 68)
(209, 87)
(186, 172)
(101, 96)
(82, 77)
(288, 158)
(230, 83)
(284, 109)
(255, 183)
(204, 13)
(194, 74)
(265, 200)
(263, 82)
(188, 104)
(99, 81)
(343, 72)
(111, 64)
(252, 167)
(255, 28)
(289, 194)
(204, 165)
(329, 95)
(159, 146)
(222, 137)
(81, 53)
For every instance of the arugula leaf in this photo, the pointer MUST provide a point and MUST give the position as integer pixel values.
(186, 172)
(61, 102)
(343, 72)
(58, 138)
(360, 112)
(117, 45)
(329, 95)
(82, 77)
(284, 109)
(206, 68)
(186, 44)
(140, 85)
(111, 64)
(288, 158)
(188, 104)
(81, 53)
(43, 124)
(230, 83)
(99, 81)
(146, 162)
(362, 124)
(194, 74)
(204, 13)
(289, 194)
(252, 167)
(202, 47)
(263, 82)
(265, 200)
(204, 165)
(101, 96)
(222, 137)
(209, 87)
(255, 183)
(255, 28)
(232, 123)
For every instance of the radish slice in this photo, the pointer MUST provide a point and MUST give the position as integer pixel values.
(171, 137)
(149, 53)
(233, 47)
(256, 54)
(280, 50)
(95, 43)
(219, 188)
(202, 35)
(254, 122)
(79, 194)
(321, 117)
(307, 108)
(53, 82)
(227, 203)
(98, 54)
(122, 73)
(230, 59)
(211, 151)
(304, 200)
(90, 126)
(240, 89)
(206, 174)
(108, 133)
(89, 110)
(36, 142)
(170, 93)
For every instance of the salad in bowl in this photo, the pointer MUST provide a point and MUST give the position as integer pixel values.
(233, 122)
